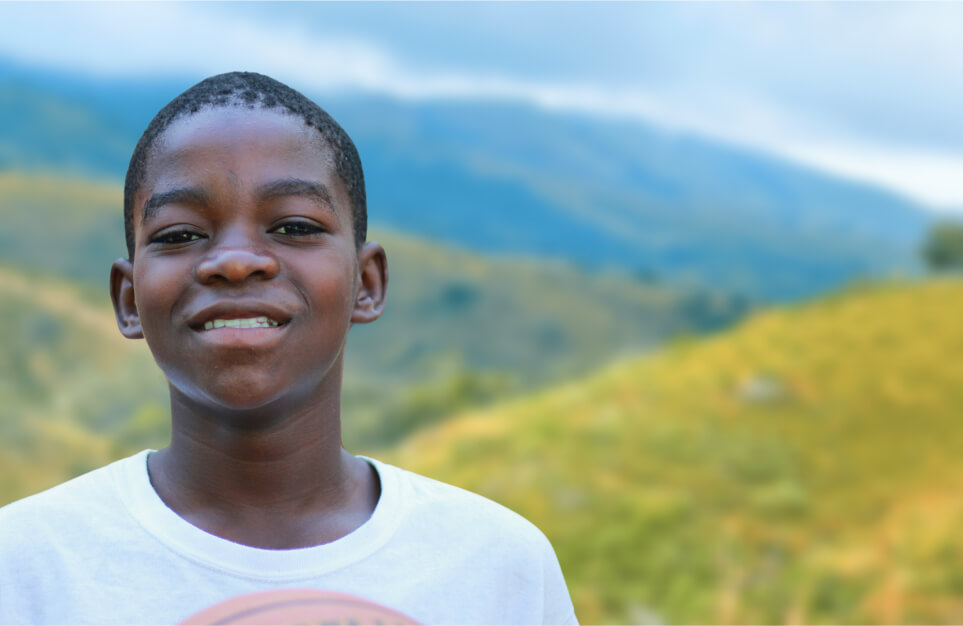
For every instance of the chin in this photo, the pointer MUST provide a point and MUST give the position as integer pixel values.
(253, 390)
(237, 395)
(242, 400)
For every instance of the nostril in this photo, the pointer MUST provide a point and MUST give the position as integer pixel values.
(236, 265)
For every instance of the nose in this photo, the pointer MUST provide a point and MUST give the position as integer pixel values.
(236, 261)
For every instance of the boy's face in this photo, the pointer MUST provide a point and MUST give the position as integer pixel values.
(245, 276)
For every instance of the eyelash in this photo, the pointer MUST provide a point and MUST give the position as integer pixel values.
(179, 237)
(302, 229)
(175, 237)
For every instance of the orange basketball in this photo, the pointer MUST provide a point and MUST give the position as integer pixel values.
(298, 606)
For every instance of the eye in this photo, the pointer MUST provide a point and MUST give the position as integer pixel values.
(298, 228)
(174, 237)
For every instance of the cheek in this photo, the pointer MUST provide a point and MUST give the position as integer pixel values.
(351, 288)
(333, 300)
(156, 285)
(329, 282)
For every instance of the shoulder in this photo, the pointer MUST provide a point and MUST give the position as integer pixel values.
(41, 535)
(69, 506)
(442, 510)
(486, 547)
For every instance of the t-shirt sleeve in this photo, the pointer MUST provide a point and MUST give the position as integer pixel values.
(558, 603)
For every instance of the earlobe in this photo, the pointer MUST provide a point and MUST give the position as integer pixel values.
(373, 270)
(122, 296)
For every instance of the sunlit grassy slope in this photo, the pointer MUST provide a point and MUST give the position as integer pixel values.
(805, 467)
(73, 393)
(459, 328)
(69, 227)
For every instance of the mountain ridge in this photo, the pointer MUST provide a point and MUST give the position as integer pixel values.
(502, 178)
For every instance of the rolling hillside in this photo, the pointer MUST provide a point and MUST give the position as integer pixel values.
(62, 226)
(459, 330)
(74, 394)
(802, 468)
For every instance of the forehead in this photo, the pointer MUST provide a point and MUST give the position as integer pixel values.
(247, 146)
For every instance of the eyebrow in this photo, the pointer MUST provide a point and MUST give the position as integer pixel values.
(286, 187)
(185, 195)
(296, 187)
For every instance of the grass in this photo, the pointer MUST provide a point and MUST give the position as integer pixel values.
(460, 329)
(803, 467)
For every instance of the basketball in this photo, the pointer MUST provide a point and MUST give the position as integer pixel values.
(298, 606)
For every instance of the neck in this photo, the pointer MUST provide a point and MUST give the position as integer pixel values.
(273, 477)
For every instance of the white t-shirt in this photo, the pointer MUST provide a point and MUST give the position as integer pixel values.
(105, 549)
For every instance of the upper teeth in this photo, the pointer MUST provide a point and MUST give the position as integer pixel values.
(246, 322)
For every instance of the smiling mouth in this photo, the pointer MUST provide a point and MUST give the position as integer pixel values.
(244, 322)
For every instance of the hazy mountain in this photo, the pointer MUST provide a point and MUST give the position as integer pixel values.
(499, 178)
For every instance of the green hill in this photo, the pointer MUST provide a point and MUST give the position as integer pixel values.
(66, 227)
(802, 468)
(460, 329)
(74, 394)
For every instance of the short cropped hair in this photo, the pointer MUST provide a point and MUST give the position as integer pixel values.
(255, 91)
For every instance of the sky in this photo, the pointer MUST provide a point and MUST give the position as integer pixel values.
(865, 90)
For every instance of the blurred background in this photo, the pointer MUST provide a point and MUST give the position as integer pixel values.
(680, 283)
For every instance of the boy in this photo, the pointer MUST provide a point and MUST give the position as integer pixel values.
(248, 263)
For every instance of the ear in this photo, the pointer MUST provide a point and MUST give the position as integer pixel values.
(373, 271)
(122, 295)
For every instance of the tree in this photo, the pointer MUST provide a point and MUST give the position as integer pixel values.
(943, 248)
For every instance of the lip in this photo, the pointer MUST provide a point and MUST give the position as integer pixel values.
(237, 309)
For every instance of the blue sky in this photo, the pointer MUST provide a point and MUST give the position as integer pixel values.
(870, 91)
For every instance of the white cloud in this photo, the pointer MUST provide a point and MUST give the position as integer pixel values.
(131, 39)
(930, 177)
(121, 39)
